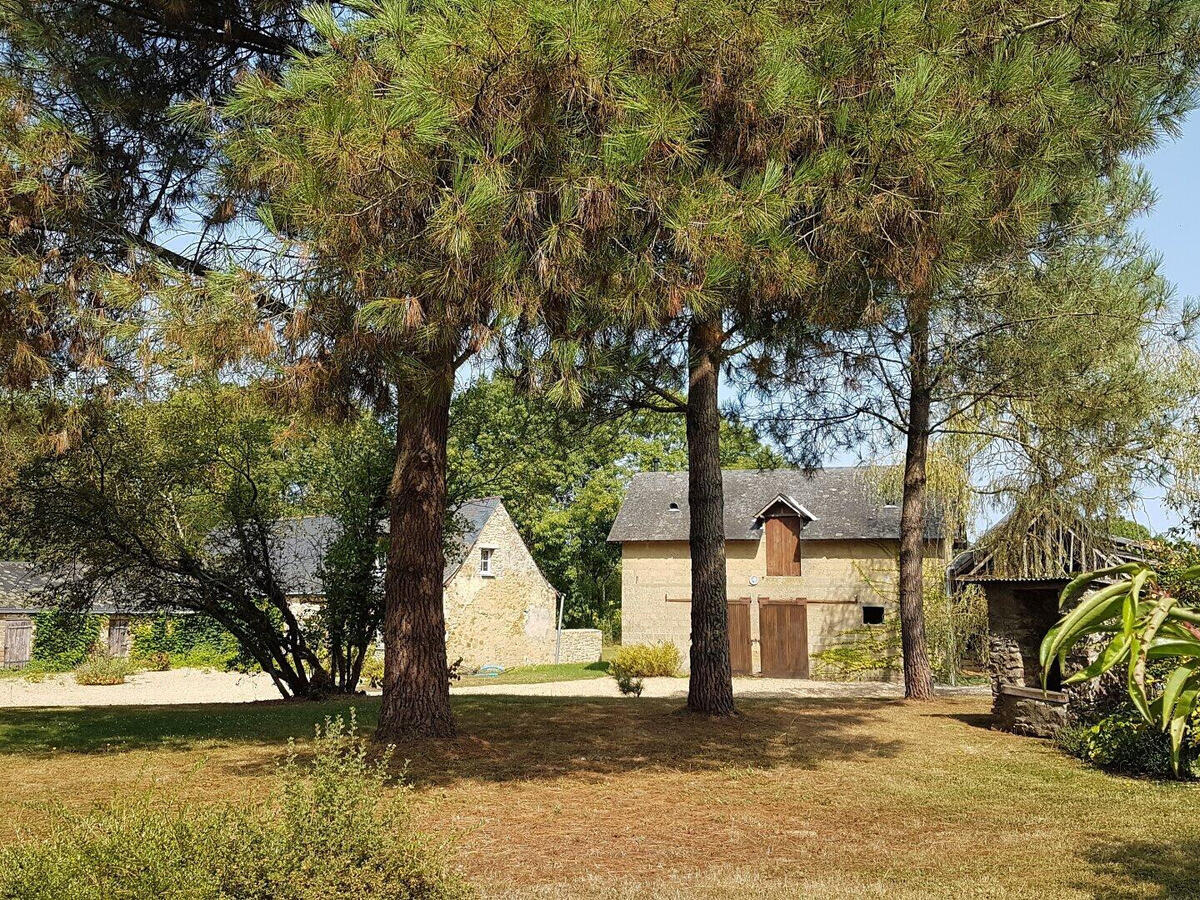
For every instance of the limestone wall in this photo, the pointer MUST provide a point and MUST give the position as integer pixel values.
(839, 578)
(505, 619)
(580, 645)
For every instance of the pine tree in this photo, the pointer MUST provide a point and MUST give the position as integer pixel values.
(959, 138)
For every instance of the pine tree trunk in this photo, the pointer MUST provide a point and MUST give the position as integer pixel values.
(710, 687)
(416, 683)
(918, 676)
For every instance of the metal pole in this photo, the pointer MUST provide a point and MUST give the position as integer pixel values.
(558, 633)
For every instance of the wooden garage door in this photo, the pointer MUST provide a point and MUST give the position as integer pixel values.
(783, 634)
(739, 637)
(18, 641)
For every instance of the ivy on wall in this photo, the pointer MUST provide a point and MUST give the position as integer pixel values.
(62, 639)
(191, 640)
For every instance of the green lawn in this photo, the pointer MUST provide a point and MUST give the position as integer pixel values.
(570, 798)
(540, 674)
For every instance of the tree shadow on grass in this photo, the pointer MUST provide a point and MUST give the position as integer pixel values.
(1144, 869)
(975, 720)
(515, 738)
(501, 738)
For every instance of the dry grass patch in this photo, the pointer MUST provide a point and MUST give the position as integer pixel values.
(571, 798)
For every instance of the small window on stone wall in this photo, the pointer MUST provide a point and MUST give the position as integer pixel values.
(485, 561)
(872, 615)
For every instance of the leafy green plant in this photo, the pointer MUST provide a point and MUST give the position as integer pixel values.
(188, 642)
(100, 668)
(1121, 742)
(1138, 623)
(333, 827)
(62, 639)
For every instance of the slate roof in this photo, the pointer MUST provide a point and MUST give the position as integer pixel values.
(18, 584)
(844, 503)
(301, 544)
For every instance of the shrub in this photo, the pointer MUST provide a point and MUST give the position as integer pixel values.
(628, 684)
(157, 661)
(631, 664)
(100, 668)
(328, 830)
(1122, 742)
(372, 672)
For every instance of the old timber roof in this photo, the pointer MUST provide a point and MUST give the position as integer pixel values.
(1049, 545)
(845, 503)
(301, 544)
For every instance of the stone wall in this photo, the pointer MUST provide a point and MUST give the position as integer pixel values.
(506, 618)
(580, 645)
(1018, 618)
(839, 578)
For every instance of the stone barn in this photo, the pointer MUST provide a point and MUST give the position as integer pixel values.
(1022, 571)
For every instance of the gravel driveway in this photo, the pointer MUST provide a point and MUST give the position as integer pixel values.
(742, 687)
(144, 688)
(199, 686)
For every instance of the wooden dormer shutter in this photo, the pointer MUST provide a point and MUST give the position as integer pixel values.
(783, 545)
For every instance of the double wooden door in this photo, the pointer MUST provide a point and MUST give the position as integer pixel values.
(741, 661)
(783, 638)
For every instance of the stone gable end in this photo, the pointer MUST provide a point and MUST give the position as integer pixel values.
(507, 619)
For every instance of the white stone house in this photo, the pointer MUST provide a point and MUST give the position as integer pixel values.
(500, 609)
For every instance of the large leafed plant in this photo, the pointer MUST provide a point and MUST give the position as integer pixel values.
(1134, 621)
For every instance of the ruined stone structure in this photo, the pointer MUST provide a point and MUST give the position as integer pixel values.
(1022, 569)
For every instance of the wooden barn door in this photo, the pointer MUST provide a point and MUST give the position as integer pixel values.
(118, 636)
(18, 642)
(739, 637)
(783, 636)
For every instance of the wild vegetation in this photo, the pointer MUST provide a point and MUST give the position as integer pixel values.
(327, 827)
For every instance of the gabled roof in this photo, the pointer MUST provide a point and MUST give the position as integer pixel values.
(844, 502)
(24, 590)
(301, 544)
(18, 583)
(787, 501)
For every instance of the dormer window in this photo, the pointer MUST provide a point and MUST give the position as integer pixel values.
(673, 507)
(486, 558)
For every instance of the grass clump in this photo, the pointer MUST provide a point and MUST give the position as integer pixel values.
(330, 828)
(100, 668)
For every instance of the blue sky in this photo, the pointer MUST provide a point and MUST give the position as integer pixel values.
(1173, 229)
